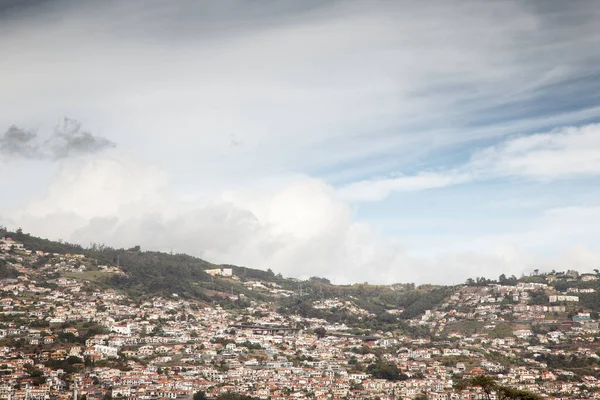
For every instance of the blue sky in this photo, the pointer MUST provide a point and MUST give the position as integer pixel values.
(386, 142)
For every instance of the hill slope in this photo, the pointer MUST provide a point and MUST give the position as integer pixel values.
(149, 273)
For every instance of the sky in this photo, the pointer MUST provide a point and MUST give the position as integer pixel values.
(361, 141)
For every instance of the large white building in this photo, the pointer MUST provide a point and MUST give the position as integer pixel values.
(554, 299)
(220, 272)
(121, 329)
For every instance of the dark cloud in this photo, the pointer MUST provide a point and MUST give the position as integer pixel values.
(159, 19)
(70, 140)
(17, 10)
(67, 140)
(18, 142)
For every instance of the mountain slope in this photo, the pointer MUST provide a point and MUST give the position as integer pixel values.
(150, 273)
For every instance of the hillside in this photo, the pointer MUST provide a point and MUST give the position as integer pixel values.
(82, 310)
(150, 273)
(366, 308)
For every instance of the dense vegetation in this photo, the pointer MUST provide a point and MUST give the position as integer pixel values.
(572, 363)
(7, 272)
(147, 272)
(386, 370)
(416, 303)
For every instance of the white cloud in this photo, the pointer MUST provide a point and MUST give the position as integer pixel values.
(102, 187)
(300, 229)
(213, 97)
(379, 189)
(174, 81)
(564, 153)
(568, 152)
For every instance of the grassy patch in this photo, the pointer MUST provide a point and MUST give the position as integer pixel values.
(501, 331)
(93, 276)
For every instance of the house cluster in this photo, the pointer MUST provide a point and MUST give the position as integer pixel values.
(61, 336)
(270, 288)
(337, 304)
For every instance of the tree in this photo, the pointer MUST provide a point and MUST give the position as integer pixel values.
(320, 280)
(37, 376)
(74, 360)
(488, 385)
(386, 370)
(482, 281)
(234, 396)
(320, 332)
(511, 281)
(200, 396)
(508, 393)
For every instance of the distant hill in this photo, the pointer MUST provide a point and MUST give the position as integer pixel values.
(151, 273)
(367, 308)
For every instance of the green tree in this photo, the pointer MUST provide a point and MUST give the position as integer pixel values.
(234, 396)
(386, 370)
(200, 396)
(486, 383)
(489, 386)
(320, 332)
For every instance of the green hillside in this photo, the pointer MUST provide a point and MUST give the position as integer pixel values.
(150, 273)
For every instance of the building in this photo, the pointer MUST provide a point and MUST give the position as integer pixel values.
(220, 272)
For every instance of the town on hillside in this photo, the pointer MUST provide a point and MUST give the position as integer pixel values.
(66, 333)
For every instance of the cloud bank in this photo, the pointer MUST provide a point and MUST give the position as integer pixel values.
(347, 109)
(300, 228)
